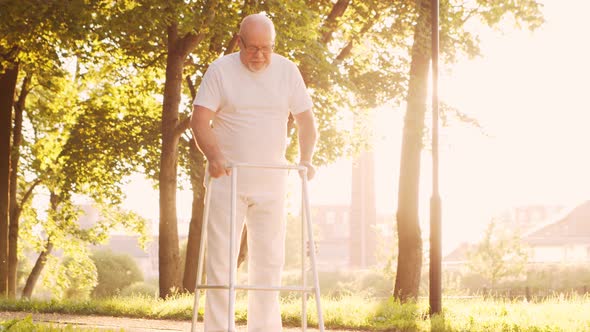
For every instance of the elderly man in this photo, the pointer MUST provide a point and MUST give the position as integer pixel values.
(240, 115)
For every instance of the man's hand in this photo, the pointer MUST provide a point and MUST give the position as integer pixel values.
(310, 169)
(218, 168)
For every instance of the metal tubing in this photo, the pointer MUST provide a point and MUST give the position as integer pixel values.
(303, 276)
(262, 288)
(312, 252)
(201, 254)
(306, 227)
(267, 166)
(232, 231)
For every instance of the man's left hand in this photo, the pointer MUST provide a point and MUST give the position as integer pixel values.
(310, 169)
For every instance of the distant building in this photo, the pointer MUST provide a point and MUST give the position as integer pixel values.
(551, 237)
(564, 239)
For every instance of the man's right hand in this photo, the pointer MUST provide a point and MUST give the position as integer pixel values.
(218, 168)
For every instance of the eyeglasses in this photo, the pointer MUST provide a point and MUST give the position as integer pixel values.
(251, 49)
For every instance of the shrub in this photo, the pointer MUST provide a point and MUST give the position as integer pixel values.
(140, 288)
(115, 272)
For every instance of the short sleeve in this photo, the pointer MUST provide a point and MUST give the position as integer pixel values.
(299, 98)
(209, 94)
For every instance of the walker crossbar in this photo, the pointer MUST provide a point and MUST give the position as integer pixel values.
(261, 288)
(232, 287)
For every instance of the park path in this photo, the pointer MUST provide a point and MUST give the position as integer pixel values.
(118, 323)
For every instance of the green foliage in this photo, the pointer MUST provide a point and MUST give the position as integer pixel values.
(116, 132)
(115, 272)
(74, 277)
(42, 33)
(141, 288)
(499, 255)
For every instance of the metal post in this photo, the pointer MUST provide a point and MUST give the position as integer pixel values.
(303, 274)
(201, 254)
(312, 257)
(232, 266)
(435, 201)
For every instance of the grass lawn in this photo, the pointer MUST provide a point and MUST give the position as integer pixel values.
(566, 314)
(27, 324)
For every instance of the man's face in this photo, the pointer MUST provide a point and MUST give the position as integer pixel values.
(256, 49)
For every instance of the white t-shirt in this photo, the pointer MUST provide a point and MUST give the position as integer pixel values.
(252, 108)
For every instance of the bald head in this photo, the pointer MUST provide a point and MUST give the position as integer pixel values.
(257, 38)
(255, 25)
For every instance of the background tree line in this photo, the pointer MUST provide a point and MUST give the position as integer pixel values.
(92, 91)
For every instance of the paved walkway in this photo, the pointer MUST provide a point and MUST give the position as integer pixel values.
(118, 323)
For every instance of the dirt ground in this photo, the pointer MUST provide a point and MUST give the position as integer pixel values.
(117, 323)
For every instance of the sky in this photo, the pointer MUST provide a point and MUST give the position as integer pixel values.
(528, 91)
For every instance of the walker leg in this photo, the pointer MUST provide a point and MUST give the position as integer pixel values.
(201, 255)
(232, 264)
(303, 275)
(312, 253)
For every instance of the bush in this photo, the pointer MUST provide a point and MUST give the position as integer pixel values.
(140, 288)
(336, 284)
(115, 272)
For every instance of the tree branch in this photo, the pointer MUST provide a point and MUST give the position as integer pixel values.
(347, 50)
(29, 192)
(152, 62)
(24, 91)
(191, 87)
(190, 41)
(331, 22)
(182, 126)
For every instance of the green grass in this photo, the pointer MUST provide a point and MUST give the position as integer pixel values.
(27, 324)
(568, 314)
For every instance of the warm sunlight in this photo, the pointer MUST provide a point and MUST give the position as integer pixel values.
(113, 92)
(527, 92)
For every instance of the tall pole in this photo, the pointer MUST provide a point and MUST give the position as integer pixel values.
(435, 203)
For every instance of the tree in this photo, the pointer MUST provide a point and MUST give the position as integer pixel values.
(318, 35)
(454, 40)
(15, 209)
(7, 83)
(498, 255)
(35, 33)
(87, 150)
(409, 260)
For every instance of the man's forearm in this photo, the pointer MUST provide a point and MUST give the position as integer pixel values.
(203, 134)
(307, 142)
(207, 142)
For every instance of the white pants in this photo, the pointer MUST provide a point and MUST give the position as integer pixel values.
(263, 207)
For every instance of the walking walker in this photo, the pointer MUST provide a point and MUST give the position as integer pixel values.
(306, 227)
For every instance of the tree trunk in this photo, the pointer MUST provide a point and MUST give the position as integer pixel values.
(194, 234)
(407, 281)
(14, 209)
(169, 266)
(37, 269)
(7, 87)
